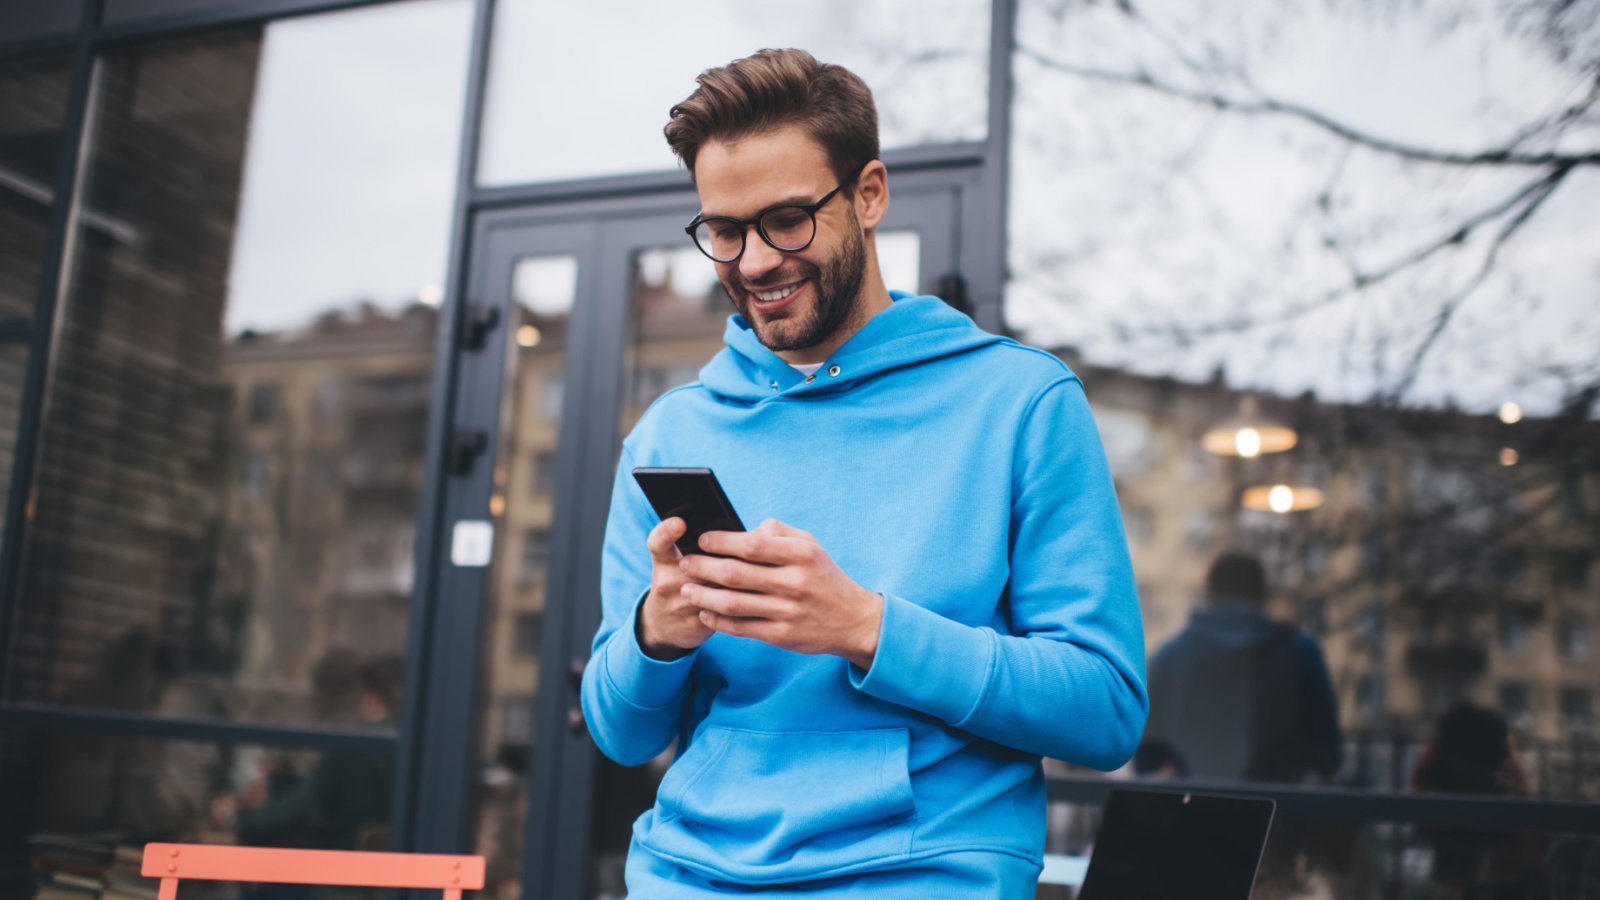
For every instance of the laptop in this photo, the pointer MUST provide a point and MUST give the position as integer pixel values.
(1158, 846)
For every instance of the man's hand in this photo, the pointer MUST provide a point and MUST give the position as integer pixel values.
(669, 626)
(779, 586)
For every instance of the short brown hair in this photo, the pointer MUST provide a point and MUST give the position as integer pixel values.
(773, 88)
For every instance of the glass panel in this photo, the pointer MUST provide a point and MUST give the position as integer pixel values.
(900, 259)
(927, 64)
(1325, 324)
(544, 289)
(118, 12)
(233, 451)
(21, 21)
(1363, 861)
(33, 109)
(80, 807)
(13, 363)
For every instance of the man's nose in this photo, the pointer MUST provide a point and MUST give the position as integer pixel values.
(759, 257)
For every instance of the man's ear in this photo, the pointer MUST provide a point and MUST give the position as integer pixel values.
(872, 194)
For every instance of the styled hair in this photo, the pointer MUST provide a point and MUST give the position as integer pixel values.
(774, 88)
(1236, 578)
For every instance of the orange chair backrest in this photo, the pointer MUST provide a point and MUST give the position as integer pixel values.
(206, 862)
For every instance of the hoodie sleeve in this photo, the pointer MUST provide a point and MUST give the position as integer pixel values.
(1066, 680)
(631, 702)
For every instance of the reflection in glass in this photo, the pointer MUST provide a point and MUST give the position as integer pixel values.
(544, 289)
(927, 64)
(1364, 861)
(233, 447)
(1411, 315)
(13, 363)
(20, 21)
(80, 806)
(33, 106)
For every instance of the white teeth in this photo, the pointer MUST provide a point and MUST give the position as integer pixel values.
(776, 295)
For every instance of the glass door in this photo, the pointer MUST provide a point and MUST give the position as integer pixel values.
(602, 313)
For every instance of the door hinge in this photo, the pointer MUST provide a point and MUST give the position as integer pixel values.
(952, 289)
(466, 445)
(482, 319)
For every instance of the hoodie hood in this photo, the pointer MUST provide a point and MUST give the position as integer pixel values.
(1237, 626)
(913, 329)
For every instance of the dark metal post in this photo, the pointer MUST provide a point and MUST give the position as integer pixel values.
(75, 139)
(415, 760)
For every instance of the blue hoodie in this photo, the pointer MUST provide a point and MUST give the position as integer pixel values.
(959, 475)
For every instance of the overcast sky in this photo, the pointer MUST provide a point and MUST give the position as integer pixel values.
(1145, 209)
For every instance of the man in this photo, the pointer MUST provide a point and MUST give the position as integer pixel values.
(939, 591)
(1241, 696)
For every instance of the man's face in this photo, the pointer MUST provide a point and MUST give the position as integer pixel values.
(793, 300)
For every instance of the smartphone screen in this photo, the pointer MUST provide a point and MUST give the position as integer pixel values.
(692, 494)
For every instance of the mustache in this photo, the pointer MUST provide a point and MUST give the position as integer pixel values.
(781, 276)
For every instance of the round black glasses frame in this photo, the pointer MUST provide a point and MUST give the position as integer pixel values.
(743, 225)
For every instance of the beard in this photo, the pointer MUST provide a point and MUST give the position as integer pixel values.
(836, 296)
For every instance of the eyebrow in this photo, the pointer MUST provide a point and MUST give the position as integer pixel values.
(791, 200)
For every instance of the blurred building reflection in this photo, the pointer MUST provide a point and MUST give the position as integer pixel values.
(327, 428)
(1433, 574)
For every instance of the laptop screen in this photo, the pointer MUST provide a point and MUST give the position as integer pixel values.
(1164, 845)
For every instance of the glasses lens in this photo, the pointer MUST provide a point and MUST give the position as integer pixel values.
(720, 239)
(788, 227)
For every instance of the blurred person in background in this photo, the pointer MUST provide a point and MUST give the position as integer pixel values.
(1238, 695)
(1472, 753)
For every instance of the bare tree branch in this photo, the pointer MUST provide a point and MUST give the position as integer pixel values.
(1537, 189)
(1503, 156)
(1536, 197)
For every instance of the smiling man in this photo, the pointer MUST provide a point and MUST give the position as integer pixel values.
(939, 592)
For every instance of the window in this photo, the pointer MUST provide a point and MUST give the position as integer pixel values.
(1514, 702)
(551, 390)
(1369, 697)
(1571, 570)
(1315, 556)
(263, 403)
(1140, 522)
(1369, 626)
(544, 473)
(537, 46)
(525, 634)
(1314, 615)
(210, 238)
(535, 555)
(1513, 632)
(1572, 637)
(516, 721)
(326, 404)
(1375, 556)
(1577, 707)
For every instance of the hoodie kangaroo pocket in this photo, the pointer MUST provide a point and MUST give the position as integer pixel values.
(774, 806)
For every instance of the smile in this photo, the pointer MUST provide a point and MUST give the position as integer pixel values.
(774, 296)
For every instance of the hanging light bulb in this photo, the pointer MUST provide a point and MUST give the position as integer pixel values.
(1249, 434)
(1281, 498)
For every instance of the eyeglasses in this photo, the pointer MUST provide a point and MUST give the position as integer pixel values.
(789, 227)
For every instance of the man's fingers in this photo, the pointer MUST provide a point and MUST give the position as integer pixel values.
(737, 627)
(734, 604)
(781, 529)
(757, 546)
(731, 573)
(662, 540)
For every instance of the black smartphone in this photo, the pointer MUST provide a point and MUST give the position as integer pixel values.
(692, 494)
